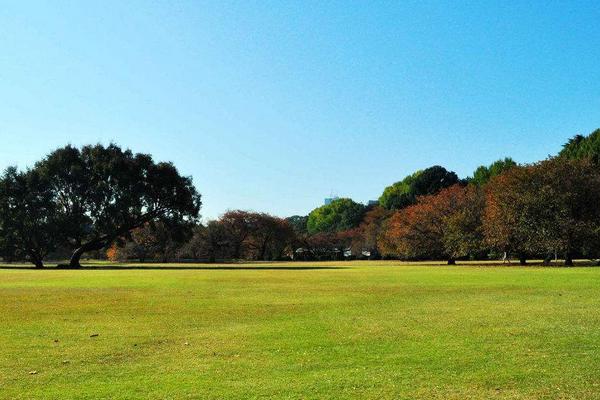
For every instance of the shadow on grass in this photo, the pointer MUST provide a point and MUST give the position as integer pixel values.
(174, 268)
(500, 264)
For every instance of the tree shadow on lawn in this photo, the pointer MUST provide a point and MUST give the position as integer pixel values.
(496, 264)
(174, 268)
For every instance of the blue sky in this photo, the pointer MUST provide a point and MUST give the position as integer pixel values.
(272, 106)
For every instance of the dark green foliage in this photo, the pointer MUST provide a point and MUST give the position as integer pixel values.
(426, 182)
(29, 226)
(103, 193)
(339, 215)
(483, 174)
(581, 147)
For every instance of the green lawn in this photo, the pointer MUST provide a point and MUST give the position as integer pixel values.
(350, 330)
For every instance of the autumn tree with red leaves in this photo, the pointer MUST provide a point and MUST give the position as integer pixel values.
(442, 226)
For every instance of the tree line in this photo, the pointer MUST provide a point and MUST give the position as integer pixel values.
(110, 203)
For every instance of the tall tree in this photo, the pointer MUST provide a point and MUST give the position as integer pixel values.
(339, 215)
(426, 182)
(102, 193)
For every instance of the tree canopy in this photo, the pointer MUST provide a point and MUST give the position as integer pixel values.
(339, 215)
(89, 197)
(581, 147)
(425, 182)
(483, 174)
(548, 207)
(441, 226)
(29, 224)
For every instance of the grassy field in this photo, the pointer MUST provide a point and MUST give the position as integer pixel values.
(351, 330)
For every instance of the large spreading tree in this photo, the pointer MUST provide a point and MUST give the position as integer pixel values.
(102, 193)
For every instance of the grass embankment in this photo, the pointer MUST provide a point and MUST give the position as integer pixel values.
(363, 330)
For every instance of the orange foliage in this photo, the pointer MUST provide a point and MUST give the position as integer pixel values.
(112, 253)
(436, 227)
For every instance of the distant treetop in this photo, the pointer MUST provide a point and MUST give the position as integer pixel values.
(339, 215)
(580, 147)
(483, 174)
(424, 182)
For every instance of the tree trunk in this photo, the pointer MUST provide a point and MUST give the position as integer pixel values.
(547, 260)
(568, 260)
(522, 259)
(451, 261)
(89, 246)
(263, 251)
(74, 262)
(35, 259)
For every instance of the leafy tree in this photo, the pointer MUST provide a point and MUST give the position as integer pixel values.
(582, 147)
(426, 182)
(207, 242)
(463, 233)
(339, 215)
(29, 227)
(325, 246)
(237, 227)
(103, 193)
(503, 222)
(366, 236)
(483, 174)
(438, 226)
(154, 241)
(548, 207)
(400, 194)
(239, 234)
(270, 237)
(298, 223)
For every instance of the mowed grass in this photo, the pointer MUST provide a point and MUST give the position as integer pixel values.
(364, 330)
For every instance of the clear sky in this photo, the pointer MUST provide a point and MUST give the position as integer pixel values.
(272, 106)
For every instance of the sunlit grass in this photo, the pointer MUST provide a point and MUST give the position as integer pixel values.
(363, 330)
